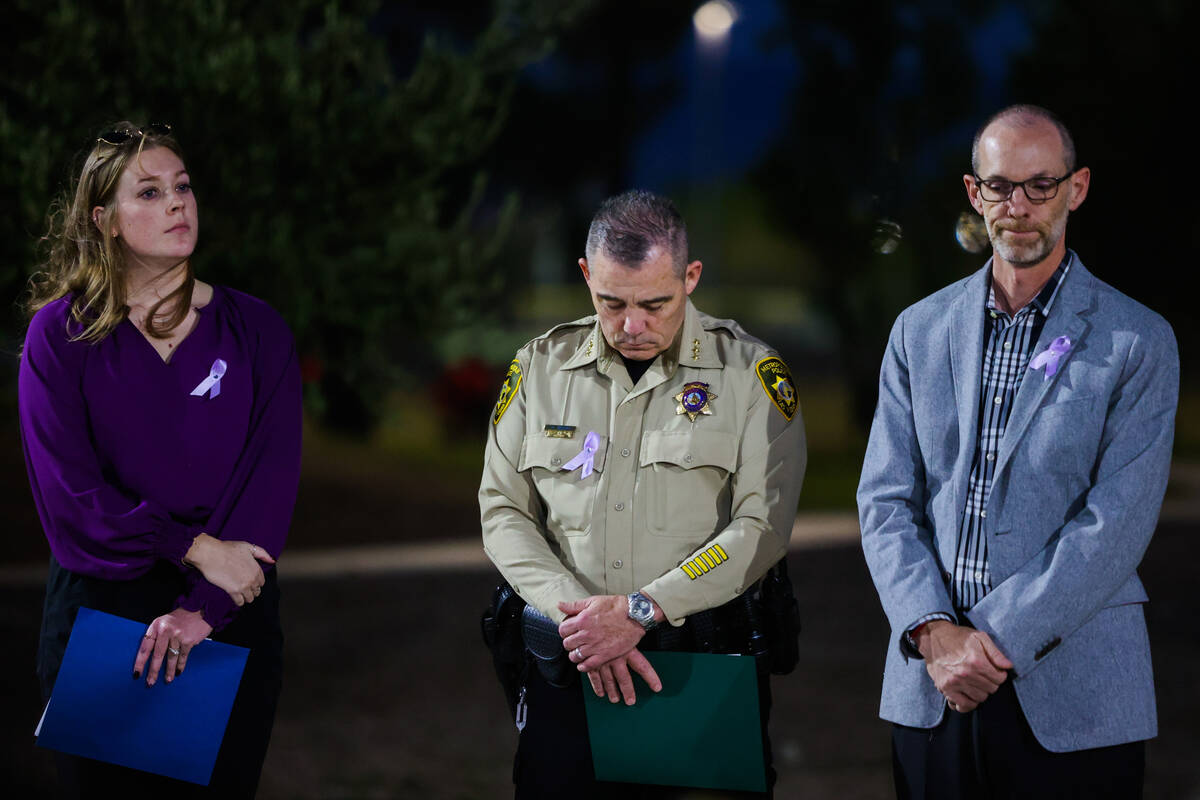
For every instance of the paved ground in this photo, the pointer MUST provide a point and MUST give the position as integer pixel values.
(388, 691)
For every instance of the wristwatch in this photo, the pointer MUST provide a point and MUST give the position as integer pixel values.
(641, 610)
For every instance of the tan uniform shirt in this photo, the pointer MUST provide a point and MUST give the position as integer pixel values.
(690, 511)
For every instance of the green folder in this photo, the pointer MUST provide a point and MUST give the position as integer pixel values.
(701, 730)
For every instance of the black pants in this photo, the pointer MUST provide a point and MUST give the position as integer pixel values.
(991, 754)
(145, 598)
(554, 756)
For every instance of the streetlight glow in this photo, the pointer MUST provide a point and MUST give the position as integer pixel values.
(714, 19)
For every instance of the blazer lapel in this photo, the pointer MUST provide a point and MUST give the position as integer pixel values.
(965, 335)
(1066, 319)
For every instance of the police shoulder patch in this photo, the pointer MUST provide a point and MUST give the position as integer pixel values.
(512, 382)
(776, 380)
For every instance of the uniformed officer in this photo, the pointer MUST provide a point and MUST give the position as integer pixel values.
(643, 466)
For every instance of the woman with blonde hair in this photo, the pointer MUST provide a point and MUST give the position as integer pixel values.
(160, 417)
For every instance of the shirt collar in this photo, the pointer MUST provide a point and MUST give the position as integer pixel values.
(1045, 298)
(694, 347)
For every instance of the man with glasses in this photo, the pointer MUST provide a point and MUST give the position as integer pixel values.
(1012, 481)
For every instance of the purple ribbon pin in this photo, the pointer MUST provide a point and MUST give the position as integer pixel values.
(586, 457)
(1050, 357)
(213, 381)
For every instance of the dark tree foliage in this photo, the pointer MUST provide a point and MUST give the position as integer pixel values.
(889, 98)
(884, 89)
(1123, 76)
(350, 198)
(581, 113)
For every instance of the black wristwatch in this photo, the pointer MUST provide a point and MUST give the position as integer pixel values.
(641, 610)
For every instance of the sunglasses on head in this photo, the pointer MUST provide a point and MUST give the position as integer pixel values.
(119, 136)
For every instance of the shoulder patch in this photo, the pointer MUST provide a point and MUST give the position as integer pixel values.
(777, 382)
(512, 382)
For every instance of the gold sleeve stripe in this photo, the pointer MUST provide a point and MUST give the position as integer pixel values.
(705, 562)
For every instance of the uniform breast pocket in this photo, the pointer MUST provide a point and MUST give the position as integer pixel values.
(568, 496)
(684, 480)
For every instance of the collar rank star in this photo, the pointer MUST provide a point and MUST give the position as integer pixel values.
(693, 400)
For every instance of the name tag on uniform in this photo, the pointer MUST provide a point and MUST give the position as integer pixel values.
(560, 431)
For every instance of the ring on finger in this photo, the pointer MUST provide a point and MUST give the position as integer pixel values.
(578, 654)
(173, 651)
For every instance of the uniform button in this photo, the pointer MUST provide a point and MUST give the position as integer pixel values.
(556, 461)
(983, 514)
(618, 564)
(688, 458)
(619, 506)
(990, 456)
(998, 400)
(625, 452)
(1008, 345)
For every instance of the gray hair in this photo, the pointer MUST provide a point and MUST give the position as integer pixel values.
(1026, 116)
(626, 227)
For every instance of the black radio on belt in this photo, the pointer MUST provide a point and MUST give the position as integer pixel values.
(501, 628)
(781, 618)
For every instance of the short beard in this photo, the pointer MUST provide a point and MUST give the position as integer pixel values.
(1030, 254)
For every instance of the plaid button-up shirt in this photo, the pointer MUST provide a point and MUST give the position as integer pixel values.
(1008, 345)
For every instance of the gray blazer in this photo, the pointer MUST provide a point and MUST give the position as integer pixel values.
(1079, 480)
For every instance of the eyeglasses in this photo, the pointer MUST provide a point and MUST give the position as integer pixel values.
(1038, 190)
(119, 136)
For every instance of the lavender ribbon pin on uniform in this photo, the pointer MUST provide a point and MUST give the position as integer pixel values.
(1051, 356)
(586, 457)
(212, 382)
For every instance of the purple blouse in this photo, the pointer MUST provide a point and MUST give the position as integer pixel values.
(127, 466)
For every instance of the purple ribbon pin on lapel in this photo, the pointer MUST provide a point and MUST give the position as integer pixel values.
(586, 457)
(213, 381)
(1050, 357)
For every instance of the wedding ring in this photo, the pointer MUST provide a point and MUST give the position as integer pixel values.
(172, 651)
(578, 654)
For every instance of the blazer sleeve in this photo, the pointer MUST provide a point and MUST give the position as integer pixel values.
(896, 536)
(256, 505)
(1099, 547)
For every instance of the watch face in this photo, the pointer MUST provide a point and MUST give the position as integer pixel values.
(640, 608)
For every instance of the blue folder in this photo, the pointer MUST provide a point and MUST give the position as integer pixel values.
(99, 711)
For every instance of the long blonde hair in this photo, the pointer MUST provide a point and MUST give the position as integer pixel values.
(83, 262)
